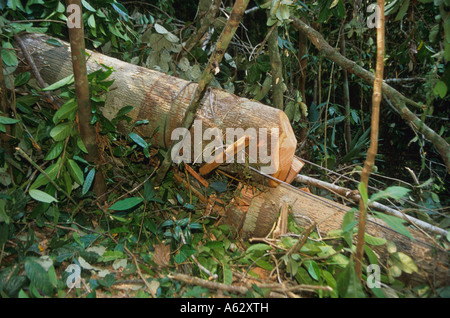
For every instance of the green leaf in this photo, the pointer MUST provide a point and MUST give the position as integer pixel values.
(402, 11)
(61, 132)
(75, 171)
(41, 196)
(348, 224)
(57, 85)
(219, 186)
(22, 294)
(348, 283)
(254, 74)
(67, 109)
(126, 204)
(111, 256)
(373, 240)
(52, 276)
(87, 6)
(88, 181)
(81, 145)
(149, 191)
(38, 276)
(3, 215)
(185, 252)
(123, 111)
(440, 89)
(138, 140)
(329, 278)
(404, 262)
(373, 259)
(91, 21)
(8, 55)
(8, 121)
(41, 180)
(313, 269)
(394, 192)
(22, 79)
(120, 9)
(258, 247)
(53, 42)
(67, 182)
(395, 223)
(108, 280)
(55, 151)
(363, 192)
(291, 265)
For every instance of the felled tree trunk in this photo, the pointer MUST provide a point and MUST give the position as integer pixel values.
(163, 100)
(255, 210)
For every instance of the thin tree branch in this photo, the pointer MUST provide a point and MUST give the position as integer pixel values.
(399, 101)
(373, 148)
(208, 75)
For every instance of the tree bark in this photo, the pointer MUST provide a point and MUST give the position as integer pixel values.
(277, 70)
(207, 76)
(303, 63)
(158, 97)
(399, 101)
(373, 148)
(87, 131)
(205, 23)
(253, 212)
(354, 196)
(346, 101)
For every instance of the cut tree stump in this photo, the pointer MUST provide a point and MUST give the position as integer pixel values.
(163, 99)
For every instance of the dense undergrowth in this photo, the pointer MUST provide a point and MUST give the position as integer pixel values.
(134, 242)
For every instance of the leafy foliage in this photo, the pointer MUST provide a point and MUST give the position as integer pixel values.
(50, 220)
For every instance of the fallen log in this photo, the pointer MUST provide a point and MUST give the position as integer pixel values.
(163, 99)
(254, 211)
(354, 195)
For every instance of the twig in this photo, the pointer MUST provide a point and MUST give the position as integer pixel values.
(375, 205)
(23, 154)
(1, 253)
(208, 284)
(138, 186)
(206, 78)
(34, 69)
(275, 287)
(137, 267)
(211, 275)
